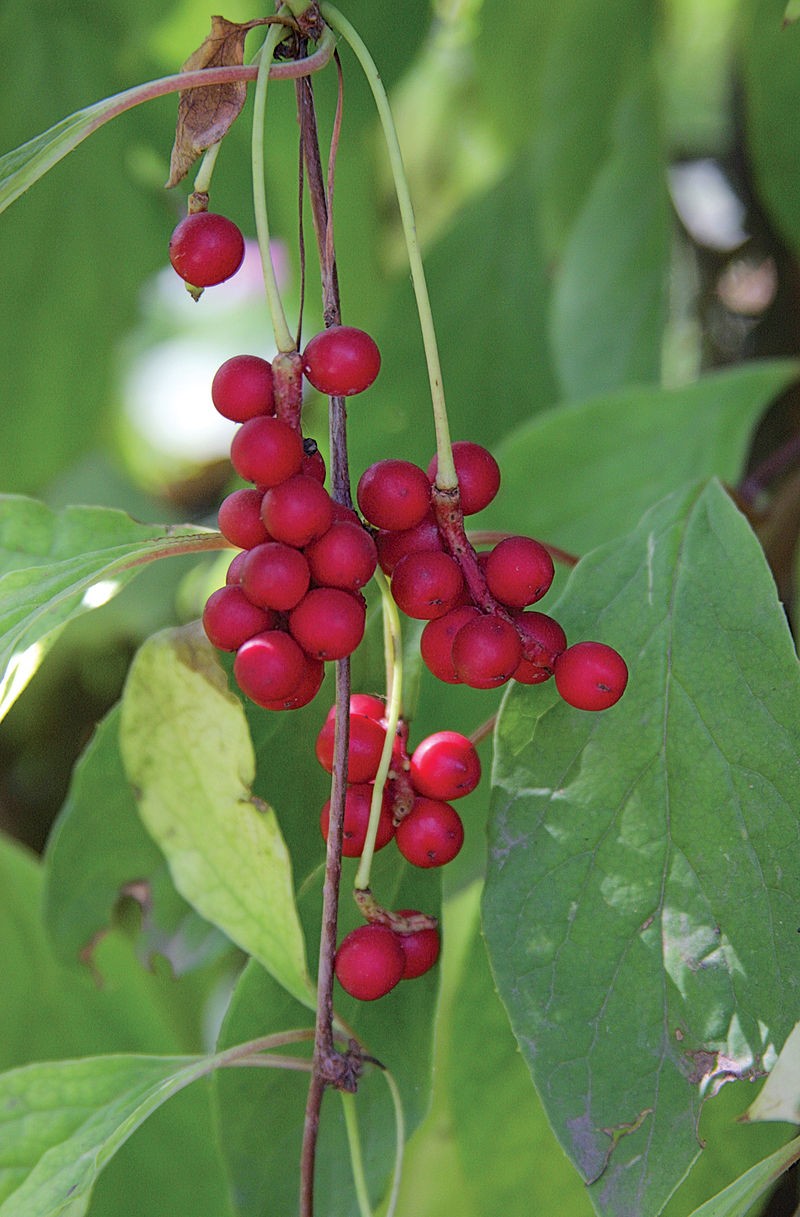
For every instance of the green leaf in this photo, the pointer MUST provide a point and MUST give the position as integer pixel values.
(188, 753)
(590, 471)
(640, 906)
(780, 1095)
(769, 56)
(61, 1121)
(609, 302)
(83, 887)
(739, 1197)
(56, 565)
(791, 12)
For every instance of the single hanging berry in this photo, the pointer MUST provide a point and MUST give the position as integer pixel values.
(341, 361)
(206, 249)
(590, 675)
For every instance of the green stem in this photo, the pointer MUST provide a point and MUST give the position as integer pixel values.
(393, 650)
(283, 337)
(400, 1141)
(202, 182)
(356, 1158)
(446, 477)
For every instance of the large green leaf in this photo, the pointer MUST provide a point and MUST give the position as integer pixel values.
(54, 566)
(581, 476)
(641, 900)
(188, 753)
(62, 1121)
(738, 1198)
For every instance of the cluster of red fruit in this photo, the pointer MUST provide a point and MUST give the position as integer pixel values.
(416, 812)
(481, 631)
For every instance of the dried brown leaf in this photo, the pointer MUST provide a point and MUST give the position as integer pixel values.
(204, 115)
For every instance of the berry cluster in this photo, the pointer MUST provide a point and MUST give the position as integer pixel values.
(417, 813)
(481, 630)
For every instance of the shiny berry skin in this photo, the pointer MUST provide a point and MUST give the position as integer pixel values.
(341, 361)
(420, 947)
(478, 475)
(436, 642)
(269, 667)
(445, 766)
(275, 576)
(305, 692)
(392, 546)
(486, 652)
(431, 834)
(369, 962)
(590, 675)
(229, 618)
(366, 745)
(328, 623)
(206, 249)
(239, 518)
(427, 585)
(266, 451)
(519, 571)
(543, 640)
(367, 704)
(394, 494)
(234, 575)
(344, 556)
(357, 802)
(242, 388)
(297, 511)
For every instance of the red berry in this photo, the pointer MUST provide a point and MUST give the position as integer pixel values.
(328, 623)
(392, 546)
(431, 834)
(367, 704)
(242, 388)
(269, 667)
(313, 461)
(234, 575)
(341, 361)
(394, 494)
(486, 652)
(426, 585)
(275, 576)
(591, 675)
(267, 451)
(297, 511)
(206, 249)
(229, 618)
(445, 765)
(344, 556)
(436, 642)
(357, 803)
(305, 692)
(420, 947)
(478, 475)
(366, 745)
(369, 962)
(519, 571)
(239, 518)
(542, 641)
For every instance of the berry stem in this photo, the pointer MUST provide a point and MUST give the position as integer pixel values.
(393, 651)
(446, 477)
(283, 338)
(202, 181)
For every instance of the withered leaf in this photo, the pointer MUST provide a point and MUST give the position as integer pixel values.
(204, 115)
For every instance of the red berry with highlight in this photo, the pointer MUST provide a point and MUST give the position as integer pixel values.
(392, 546)
(229, 618)
(431, 834)
(426, 585)
(486, 652)
(519, 571)
(436, 642)
(242, 388)
(543, 640)
(275, 575)
(420, 947)
(239, 518)
(328, 623)
(369, 962)
(344, 556)
(478, 475)
(366, 745)
(266, 451)
(445, 765)
(304, 692)
(206, 249)
(269, 667)
(357, 803)
(591, 675)
(394, 494)
(297, 511)
(341, 361)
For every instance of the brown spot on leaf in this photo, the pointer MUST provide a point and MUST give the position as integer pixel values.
(205, 114)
